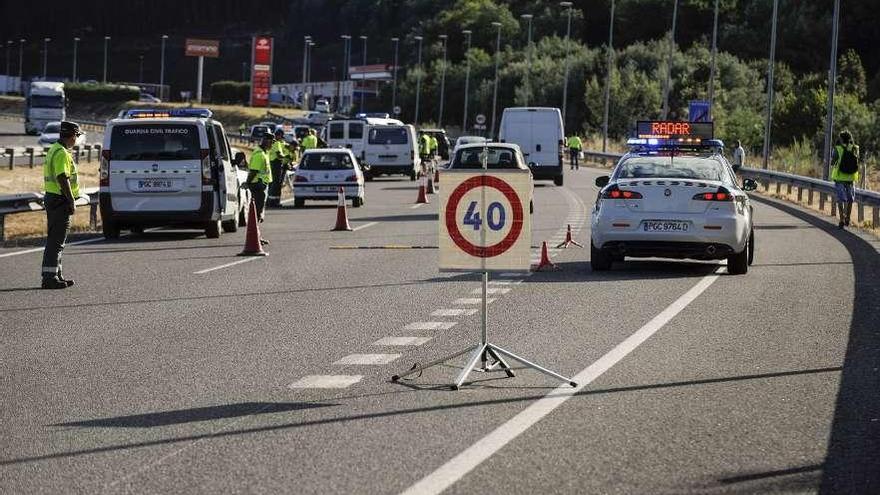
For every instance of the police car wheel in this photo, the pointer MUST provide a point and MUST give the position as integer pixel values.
(752, 246)
(137, 230)
(558, 180)
(230, 225)
(738, 263)
(212, 230)
(110, 230)
(599, 260)
(299, 202)
(413, 175)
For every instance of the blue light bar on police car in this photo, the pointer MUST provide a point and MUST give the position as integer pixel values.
(164, 113)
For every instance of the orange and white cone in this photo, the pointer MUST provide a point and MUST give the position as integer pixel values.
(423, 198)
(545, 259)
(568, 240)
(341, 213)
(252, 244)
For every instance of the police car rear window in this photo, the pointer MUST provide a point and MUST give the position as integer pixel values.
(155, 142)
(327, 161)
(672, 167)
(388, 136)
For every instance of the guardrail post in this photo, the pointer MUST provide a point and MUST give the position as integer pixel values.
(875, 221)
(800, 194)
(30, 153)
(93, 216)
(778, 187)
(861, 212)
(98, 150)
(788, 189)
(766, 185)
(76, 154)
(833, 207)
(3, 233)
(822, 202)
(88, 149)
(810, 196)
(11, 153)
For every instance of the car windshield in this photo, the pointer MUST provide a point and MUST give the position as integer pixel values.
(327, 161)
(672, 167)
(155, 142)
(496, 158)
(43, 101)
(52, 129)
(394, 135)
(260, 130)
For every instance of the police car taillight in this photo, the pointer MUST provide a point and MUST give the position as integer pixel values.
(615, 192)
(206, 167)
(104, 169)
(721, 194)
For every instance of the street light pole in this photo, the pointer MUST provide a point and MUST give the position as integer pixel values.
(565, 82)
(306, 40)
(20, 61)
(495, 89)
(106, 42)
(162, 68)
(46, 56)
(344, 73)
(832, 83)
(610, 68)
(75, 43)
(364, 74)
(712, 67)
(528, 17)
(467, 79)
(8, 77)
(396, 42)
(309, 62)
(769, 121)
(140, 68)
(443, 38)
(418, 79)
(666, 87)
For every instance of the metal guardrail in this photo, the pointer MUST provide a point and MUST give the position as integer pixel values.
(30, 202)
(809, 185)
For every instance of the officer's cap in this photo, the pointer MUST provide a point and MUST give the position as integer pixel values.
(70, 128)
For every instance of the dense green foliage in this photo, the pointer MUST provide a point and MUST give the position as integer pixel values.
(230, 92)
(100, 93)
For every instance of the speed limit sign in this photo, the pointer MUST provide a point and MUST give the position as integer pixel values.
(484, 221)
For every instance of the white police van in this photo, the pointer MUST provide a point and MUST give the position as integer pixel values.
(168, 167)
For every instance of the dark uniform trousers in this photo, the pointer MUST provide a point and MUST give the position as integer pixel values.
(275, 186)
(258, 192)
(58, 224)
(573, 155)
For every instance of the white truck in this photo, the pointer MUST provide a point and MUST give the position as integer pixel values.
(45, 103)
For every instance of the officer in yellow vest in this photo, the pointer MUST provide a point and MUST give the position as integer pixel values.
(279, 157)
(425, 146)
(62, 189)
(309, 142)
(845, 173)
(260, 176)
(574, 150)
(434, 145)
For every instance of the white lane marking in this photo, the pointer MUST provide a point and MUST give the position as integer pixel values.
(472, 300)
(505, 282)
(454, 312)
(491, 290)
(227, 265)
(75, 243)
(326, 381)
(402, 341)
(456, 468)
(430, 325)
(417, 205)
(370, 224)
(367, 359)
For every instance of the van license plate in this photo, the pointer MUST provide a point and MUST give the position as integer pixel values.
(664, 226)
(325, 189)
(154, 185)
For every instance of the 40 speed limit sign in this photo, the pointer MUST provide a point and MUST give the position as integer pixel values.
(484, 220)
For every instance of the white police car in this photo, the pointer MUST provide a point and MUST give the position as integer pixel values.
(674, 195)
(321, 172)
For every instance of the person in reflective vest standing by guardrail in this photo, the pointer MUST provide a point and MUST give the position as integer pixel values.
(845, 173)
(62, 189)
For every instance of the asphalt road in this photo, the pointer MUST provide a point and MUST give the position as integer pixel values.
(149, 378)
(12, 135)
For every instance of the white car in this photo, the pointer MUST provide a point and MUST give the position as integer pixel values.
(321, 172)
(322, 105)
(498, 156)
(672, 203)
(463, 140)
(51, 133)
(148, 98)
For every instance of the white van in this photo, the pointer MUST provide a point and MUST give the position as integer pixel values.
(168, 168)
(392, 149)
(540, 134)
(45, 103)
(352, 133)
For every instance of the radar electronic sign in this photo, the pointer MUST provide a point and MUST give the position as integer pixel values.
(683, 132)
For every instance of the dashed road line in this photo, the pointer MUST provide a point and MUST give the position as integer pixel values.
(364, 226)
(473, 300)
(491, 290)
(401, 341)
(326, 381)
(369, 359)
(227, 265)
(430, 325)
(417, 205)
(74, 243)
(454, 312)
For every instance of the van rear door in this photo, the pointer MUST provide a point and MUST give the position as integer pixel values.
(390, 146)
(546, 134)
(155, 167)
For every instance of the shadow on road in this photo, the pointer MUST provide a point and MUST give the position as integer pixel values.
(432, 217)
(852, 462)
(181, 416)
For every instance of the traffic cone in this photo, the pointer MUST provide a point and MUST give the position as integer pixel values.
(423, 198)
(341, 213)
(252, 244)
(568, 240)
(545, 258)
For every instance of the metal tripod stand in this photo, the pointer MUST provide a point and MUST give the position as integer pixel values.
(481, 352)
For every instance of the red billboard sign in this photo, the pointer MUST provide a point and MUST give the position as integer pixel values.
(261, 71)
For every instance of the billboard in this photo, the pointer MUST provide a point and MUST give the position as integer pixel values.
(261, 71)
(202, 48)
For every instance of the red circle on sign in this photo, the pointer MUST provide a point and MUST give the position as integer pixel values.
(452, 224)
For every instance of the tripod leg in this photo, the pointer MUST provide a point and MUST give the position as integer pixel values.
(500, 361)
(533, 365)
(434, 363)
(478, 351)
